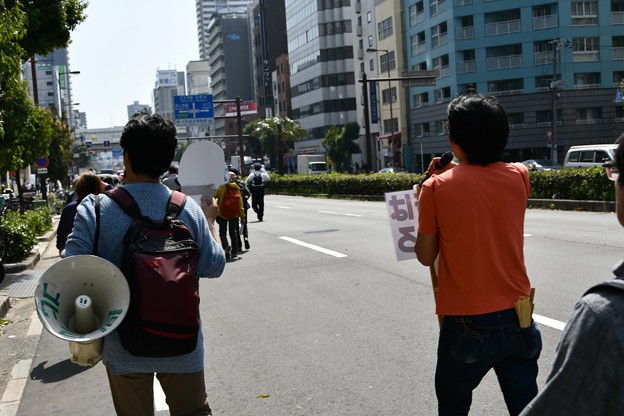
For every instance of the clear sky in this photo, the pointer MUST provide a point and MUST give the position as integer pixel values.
(118, 49)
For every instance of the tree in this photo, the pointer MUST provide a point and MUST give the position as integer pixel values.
(48, 24)
(281, 133)
(60, 154)
(340, 144)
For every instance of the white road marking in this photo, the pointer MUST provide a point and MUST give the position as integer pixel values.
(281, 206)
(341, 213)
(313, 247)
(528, 235)
(549, 322)
(160, 400)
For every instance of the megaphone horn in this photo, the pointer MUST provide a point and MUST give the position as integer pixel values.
(81, 299)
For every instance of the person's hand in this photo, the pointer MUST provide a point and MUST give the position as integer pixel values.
(434, 167)
(210, 209)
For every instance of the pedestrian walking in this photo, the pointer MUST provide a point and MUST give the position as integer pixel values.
(471, 219)
(256, 181)
(231, 212)
(88, 183)
(171, 179)
(149, 143)
(586, 375)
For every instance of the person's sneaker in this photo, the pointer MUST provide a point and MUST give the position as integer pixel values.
(246, 244)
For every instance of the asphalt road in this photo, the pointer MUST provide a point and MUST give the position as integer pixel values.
(319, 318)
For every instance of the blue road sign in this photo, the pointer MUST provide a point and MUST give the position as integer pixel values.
(192, 109)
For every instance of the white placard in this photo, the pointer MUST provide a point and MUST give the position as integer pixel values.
(403, 215)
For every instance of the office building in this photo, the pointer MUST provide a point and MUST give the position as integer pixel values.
(169, 83)
(205, 9)
(555, 66)
(231, 73)
(322, 68)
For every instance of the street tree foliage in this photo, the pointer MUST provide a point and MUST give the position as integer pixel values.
(340, 144)
(60, 154)
(48, 23)
(278, 134)
(28, 28)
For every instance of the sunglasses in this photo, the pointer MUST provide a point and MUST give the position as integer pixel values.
(612, 171)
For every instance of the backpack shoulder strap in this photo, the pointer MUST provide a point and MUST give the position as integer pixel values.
(125, 201)
(176, 203)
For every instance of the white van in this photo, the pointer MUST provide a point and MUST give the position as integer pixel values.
(589, 155)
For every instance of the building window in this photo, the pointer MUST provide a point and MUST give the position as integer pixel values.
(387, 62)
(372, 64)
(442, 95)
(387, 94)
(416, 13)
(417, 43)
(441, 64)
(423, 130)
(370, 41)
(586, 49)
(421, 100)
(436, 6)
(384, 28)
(369, 17)
(516, 120)
(439, 35)
(506, 87)
(587, 80)
(584, 13)
(591, 115)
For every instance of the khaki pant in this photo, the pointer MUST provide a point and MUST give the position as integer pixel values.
(133, 394)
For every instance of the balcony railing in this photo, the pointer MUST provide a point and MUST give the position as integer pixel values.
(618, 53)
(466, 67)
(584, 86)
(617, 18)
(466, 32)
(545, 22)
(463, 2)
(440, 40)
(586, 56)
(504, 62)
(502, 28)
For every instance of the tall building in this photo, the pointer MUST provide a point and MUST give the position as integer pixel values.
(555, 66)
(169, 83)
(322, 67)
(135, 107)
(205, 9)
(53, 76)
(269, 43)
(229, 57)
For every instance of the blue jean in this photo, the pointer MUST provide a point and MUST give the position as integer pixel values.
(469, 346)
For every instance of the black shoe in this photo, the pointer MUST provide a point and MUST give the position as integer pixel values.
(246, 244)
(228, 253)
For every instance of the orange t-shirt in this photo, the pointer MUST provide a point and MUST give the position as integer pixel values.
(478, 213)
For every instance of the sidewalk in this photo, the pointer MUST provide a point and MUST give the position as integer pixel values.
(21, 278)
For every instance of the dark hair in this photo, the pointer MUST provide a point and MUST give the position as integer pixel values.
(88, 183)
(619, 157)
(173, 169)
(479, 125)
(150, 141)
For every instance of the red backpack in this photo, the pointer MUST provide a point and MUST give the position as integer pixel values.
(230, 203)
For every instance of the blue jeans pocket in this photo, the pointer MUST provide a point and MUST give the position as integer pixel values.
(468, 346)
(531, 340)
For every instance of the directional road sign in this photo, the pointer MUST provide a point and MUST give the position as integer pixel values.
(193, 109)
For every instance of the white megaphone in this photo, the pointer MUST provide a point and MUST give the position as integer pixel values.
(202, 170)
(81, 299)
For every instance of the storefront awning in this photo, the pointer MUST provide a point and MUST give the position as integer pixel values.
(387, 136)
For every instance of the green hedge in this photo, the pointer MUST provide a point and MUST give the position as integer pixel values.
(589, 184)
(20, 232)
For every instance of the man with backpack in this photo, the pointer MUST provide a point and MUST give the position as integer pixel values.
(256, 181)
(163, 242)
(231, 210)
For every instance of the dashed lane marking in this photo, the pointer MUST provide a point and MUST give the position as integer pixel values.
(313, 247)
(341, 213)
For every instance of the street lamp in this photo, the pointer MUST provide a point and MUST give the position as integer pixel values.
(390, 98)
(69, 103)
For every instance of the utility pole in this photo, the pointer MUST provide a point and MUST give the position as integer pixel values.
(554, 88)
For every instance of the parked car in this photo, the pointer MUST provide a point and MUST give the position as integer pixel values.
(589, 155)
(392, 169)
(540, 164)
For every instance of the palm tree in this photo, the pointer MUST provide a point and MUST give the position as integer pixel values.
(283, 131)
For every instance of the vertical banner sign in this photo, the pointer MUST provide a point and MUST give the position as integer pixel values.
(373, 100)
(403, 214)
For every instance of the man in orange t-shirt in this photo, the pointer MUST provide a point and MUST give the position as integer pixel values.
(471, 218)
